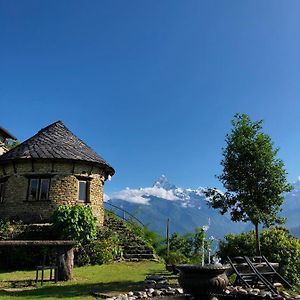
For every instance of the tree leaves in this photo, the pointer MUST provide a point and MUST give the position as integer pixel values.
(252, 175)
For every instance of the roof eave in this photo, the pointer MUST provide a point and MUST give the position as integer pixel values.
(108, 169)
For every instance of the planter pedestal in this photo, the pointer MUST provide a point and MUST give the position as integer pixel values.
(203, 282)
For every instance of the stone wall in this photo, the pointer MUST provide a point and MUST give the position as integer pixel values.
(64, 189)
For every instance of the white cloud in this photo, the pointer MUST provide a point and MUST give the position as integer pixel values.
(106, 197)
(142, 195)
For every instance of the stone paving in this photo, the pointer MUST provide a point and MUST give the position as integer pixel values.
(158, 287)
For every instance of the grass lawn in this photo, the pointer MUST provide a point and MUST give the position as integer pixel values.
(111, 279)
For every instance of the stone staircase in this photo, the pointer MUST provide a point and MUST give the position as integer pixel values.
(134, 248)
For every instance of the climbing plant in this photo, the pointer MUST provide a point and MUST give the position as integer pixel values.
(75, 221)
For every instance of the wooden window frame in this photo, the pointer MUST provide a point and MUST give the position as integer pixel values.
(87, 190)
(2, 192)
(2, 188)
(39, 181)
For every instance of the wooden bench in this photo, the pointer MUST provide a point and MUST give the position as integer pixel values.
(63, 252)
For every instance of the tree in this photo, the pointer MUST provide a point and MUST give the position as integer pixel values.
(253, 177)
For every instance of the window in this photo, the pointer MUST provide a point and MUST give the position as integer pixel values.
(83, 191)
(38, 189)
(2, 190)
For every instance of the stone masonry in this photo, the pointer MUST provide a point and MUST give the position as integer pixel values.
(64, 188)
(52, 168)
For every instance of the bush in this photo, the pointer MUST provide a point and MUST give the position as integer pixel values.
(175, 258)
(105, 248)
(277, 245)
(3, 229)
(237, 245)
(75, 222)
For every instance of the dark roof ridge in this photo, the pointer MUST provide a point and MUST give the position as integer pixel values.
(52, 124)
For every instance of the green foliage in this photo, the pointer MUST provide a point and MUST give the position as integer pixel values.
(152, 238)
(3, 229)
(75, 222)
(181, 243)
(104, 249)
(112, 242)
(176, 257)
(253, 177)
(237, 245)
(187, 248)
(276, 244)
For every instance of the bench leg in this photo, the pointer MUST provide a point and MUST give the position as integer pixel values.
(37, 276)
(42, 277)
(56, 274)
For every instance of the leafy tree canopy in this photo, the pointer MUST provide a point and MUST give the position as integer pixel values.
(253, 177)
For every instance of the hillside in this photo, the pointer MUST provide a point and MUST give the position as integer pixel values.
(187, 209)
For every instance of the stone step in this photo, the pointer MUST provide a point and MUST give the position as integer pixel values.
(134, 248)
(138, 251)
(139, 256)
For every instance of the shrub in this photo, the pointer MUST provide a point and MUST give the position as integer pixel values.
(277, 245)
(3, 229)
(111, 241)
(237, 245)
(105, 248)
(75, 221)
(175, 258)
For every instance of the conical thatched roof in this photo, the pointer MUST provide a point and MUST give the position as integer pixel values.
(55, 142)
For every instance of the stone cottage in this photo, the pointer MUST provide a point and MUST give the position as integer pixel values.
(52, 168)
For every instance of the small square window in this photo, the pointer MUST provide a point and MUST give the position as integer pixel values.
(38, 189)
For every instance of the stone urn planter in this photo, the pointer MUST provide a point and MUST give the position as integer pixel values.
(203, 282)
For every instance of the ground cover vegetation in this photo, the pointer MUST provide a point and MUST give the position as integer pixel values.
(95, 245)
(277, 245)
(153, 239)
(253, 176)
(186, 248)
(109, 279)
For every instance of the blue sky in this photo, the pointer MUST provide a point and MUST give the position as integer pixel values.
(152, 85)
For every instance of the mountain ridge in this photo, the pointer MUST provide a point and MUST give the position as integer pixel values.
(187, 208)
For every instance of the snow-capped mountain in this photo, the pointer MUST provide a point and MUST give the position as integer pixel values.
(291, 208)
(187, 209)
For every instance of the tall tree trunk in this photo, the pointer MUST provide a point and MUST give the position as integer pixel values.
(258, 252)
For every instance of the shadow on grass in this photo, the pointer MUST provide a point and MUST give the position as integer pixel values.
(75, 290)
(168, 275)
